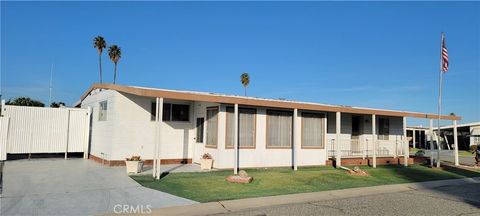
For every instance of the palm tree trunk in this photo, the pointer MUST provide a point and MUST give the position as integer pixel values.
(115, 73)
(245, 90)
(100, 63)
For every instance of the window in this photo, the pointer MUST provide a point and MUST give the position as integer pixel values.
(212, 127)
(313, 130)
(383, 128)
(476, 140)
(175, 112)
(246, 128)
(279, 129)
(199, 137)
(102, 112)
(167, 112)
(153, 111)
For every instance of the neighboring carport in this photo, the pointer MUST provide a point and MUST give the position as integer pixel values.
(74, 187)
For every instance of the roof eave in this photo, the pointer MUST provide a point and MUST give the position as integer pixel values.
(258, 102)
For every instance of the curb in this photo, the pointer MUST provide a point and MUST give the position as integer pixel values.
(258, 202)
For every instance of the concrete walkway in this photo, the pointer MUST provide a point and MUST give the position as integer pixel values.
(274, 202)
(74, 187)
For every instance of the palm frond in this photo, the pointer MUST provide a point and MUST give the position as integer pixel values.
(99, 43)
(245, 79)
(115, 53)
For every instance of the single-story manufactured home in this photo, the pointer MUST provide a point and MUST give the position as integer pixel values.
(171, 126)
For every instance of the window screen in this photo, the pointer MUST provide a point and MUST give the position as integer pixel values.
(102, 113)
(212, 127)
(246, 127)
(279, 129)
(313, 130)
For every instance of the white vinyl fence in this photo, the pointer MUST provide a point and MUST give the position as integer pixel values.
(3, 137)
(44, 130)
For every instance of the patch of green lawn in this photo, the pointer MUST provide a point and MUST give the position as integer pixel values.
(466, 153)
(211, 186)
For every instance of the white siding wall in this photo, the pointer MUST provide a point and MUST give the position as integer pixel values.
(101, 132)
(129, 130)
(258, 157)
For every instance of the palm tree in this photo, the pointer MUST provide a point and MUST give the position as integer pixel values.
(245, 79)
(100, 44)
(115, 53)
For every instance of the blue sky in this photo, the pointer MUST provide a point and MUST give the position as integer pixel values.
(371, 54)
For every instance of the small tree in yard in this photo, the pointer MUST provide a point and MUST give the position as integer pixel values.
(24, 101)
(57, 104)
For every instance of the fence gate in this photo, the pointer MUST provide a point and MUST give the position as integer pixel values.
(45, 130)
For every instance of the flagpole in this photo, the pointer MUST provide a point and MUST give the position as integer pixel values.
(440, 100)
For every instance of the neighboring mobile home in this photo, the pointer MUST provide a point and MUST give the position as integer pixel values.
(468, 134)
(180, 126)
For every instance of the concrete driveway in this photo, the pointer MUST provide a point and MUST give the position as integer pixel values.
(448, 155)
(75, 187)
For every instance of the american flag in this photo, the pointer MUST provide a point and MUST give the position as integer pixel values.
(444, 56)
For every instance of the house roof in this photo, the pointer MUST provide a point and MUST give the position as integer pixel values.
(253, 101)
(470, 124)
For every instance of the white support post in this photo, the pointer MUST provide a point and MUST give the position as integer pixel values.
(296, 146)
(364, 142)
(155, 142)
(430, 138)
(407, 150)
(374, 140)
(86, 148)
(338, 158)
(413, 143)
(159, 121)
(235, 140)
(424, 139)
(437, 135)
(455, 141)
(395, 154)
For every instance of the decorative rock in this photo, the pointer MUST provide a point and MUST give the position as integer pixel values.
(358, 172)
(243, 174)
(239, 179)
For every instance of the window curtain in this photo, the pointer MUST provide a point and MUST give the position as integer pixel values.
(279, 129)
(246, 127)
(212, 126)
(313, 129)
(230, 128)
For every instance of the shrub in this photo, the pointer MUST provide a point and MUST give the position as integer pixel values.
(134, 158)
(473, 148)
(206, 156)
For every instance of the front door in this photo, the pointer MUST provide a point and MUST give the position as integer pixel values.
(354, 142)
(199, 138)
